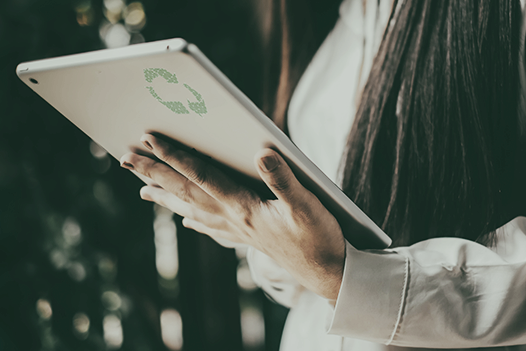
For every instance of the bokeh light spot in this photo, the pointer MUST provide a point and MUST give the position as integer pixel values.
(115, 35)
(111, 300)
(76, 271)
(244, 278)
(81, 325)
(103, 193)
(172, 329)
(44, 309)
(114, 5)
(71, 232)
(58, 259)
(252, 327)
(85, 13)
(97, 151)
(112, 328)
(166, 255)
(134, 17)
(137, 38)
(107, 269)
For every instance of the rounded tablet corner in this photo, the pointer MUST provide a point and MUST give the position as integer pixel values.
(388, 242)
(21, 68)
(191, 48)
(177, 44)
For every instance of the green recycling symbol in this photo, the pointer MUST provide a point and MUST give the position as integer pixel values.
(178, 107)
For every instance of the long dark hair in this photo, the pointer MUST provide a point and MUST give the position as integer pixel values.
(433, 146)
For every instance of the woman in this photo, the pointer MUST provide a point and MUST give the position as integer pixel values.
(431, 154)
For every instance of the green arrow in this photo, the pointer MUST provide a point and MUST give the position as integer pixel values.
(198, 107)
(151, 73)
(175, 106)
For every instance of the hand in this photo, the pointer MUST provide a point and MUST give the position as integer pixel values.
(295, 229)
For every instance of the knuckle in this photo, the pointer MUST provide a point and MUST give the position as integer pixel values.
(185, 191)
(247, 219)
(199, 174)
(152, 169)
(281, 183)
(170, 159)
(222, 224)
(196, 170)
(241, 213)
(244, 208)
(214, 209)
(165, 153)
(304, 211)
(304, 215)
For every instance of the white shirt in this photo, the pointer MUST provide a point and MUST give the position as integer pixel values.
(439, 293)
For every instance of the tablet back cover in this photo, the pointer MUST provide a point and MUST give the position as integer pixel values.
(115, 96)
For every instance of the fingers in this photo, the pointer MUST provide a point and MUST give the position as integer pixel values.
(223, 238)
(168, 200)
(214, 226)
(207, 177)
(184, 209)
(278, 176)
(171, 181)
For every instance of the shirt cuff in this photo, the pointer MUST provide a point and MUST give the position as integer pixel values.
(372, 295)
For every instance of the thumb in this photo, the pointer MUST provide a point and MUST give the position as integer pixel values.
(278, 176)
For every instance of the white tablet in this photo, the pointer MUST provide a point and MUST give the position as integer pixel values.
(170, 88)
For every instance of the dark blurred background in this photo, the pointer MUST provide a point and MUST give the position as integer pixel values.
(84, 263)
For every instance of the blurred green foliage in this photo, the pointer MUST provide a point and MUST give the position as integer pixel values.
(72, 225)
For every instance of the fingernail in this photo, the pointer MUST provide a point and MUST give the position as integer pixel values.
(269, 163)
(127, 165)
(147, 144)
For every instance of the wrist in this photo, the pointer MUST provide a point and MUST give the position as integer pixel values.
(323, 276)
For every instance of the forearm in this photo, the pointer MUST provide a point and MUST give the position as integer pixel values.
(442, 293)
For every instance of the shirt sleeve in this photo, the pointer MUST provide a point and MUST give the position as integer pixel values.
(440, 293)
(275, 281)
